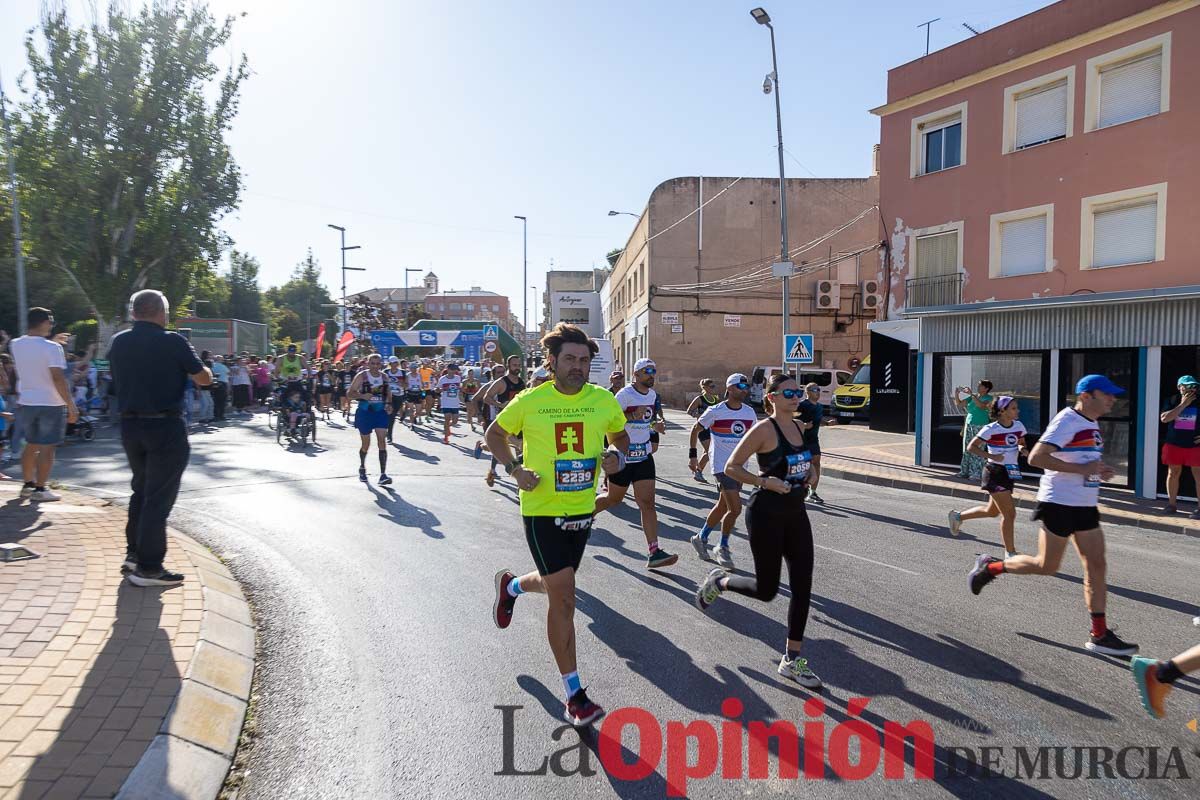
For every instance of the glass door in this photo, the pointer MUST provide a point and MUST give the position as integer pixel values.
(1176, 362)
(1119, 427)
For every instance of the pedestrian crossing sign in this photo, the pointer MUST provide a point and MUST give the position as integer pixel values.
(491, 331)
(798, 348)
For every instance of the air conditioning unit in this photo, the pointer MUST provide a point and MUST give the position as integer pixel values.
(871, 298)
(828, 296)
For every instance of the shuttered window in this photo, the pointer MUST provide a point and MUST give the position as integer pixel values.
(1041, 115)
(1130, 90)
(1125, 234)
(937, 255)
(1023, 246)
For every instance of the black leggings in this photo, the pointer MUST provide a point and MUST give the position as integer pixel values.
(779, 531)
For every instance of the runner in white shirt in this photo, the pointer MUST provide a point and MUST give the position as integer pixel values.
(1070, 451)
(637, 401)
(450, 387)
(1000, 443)
(728, 422)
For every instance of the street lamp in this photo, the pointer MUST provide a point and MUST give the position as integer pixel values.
(342, 231)
(784, 269)
(630, 213)
(406, 271)
(524, 270)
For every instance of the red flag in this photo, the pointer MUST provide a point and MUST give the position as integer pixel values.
(343, 345)
(320, 340)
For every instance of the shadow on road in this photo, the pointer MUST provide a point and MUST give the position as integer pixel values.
(405, 514)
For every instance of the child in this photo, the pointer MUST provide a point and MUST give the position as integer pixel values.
(295, 409)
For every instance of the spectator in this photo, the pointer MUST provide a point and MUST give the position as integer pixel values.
(5, 417)
(758, 387)
(205, 413)
(150, 367)
(261, 373)
(220, 387)
(811, 411)
(239, 381)
(45, 404)
(1182, 446)
(978, 410)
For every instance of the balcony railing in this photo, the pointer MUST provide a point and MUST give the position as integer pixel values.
(937, 290)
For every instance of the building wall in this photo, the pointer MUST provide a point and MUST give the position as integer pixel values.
(1143, 152)
(438, 306)
(739, 232)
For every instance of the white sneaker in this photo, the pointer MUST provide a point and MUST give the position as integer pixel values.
(1196, 621)
(26, 491)
(44, 495)
(797, 669)
(723, 557)
(1010, 554)
(701, 548)
(955, 523)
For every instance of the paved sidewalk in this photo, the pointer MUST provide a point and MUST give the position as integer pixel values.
(105, 687)
(856, 453)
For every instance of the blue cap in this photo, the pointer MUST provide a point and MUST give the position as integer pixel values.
(1097, 383)
(1187, 380)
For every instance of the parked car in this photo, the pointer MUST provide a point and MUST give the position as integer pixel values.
(830, 380)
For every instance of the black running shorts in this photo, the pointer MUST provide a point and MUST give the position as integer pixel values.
(641, 471)
(996, 479)
(1065, 520)
(557, 542)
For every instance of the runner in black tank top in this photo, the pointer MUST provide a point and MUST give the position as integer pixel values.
(776, 520)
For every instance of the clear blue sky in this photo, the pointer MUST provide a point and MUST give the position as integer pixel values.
(424, 127)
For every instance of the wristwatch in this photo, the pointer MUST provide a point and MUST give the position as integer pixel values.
(511, 468)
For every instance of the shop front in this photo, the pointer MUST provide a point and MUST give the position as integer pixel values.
(1036, 351)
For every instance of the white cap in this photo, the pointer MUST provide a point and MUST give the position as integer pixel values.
(642, 363)
(541, 374)
(735, 379)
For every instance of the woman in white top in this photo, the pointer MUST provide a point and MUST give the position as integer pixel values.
(1000, 444)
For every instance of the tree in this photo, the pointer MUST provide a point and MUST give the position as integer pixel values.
(245, 300)
(305, 295)
(366, 316)
(613, 255)
(415, 314)
(124, 166)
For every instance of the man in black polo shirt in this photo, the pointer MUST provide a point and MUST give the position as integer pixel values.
(150, 368)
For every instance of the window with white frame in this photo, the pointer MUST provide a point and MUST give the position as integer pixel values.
(1129, 84)
(1021, 242)
(1127, 227)
(941, 144)
(1040, 115)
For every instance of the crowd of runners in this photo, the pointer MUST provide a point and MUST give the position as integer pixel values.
(575, 449)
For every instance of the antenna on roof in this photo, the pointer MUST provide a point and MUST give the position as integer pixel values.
(972, 30)
(927, 26)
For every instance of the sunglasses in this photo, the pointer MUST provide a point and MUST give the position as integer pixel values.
(649, 371)
(790, 394)
(743, 386)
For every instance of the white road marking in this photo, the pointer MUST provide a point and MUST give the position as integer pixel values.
(868, 560)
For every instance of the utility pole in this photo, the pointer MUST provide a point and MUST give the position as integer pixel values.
(18, 256)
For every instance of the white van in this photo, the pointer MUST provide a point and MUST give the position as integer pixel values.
(828, 379)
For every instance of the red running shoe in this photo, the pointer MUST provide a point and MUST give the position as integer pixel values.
(581, 711)
(502, 609)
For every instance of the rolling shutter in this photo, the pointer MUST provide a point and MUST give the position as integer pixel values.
(1130, 90)
(1125, 235)
(1023, 246)
(937, 255)
(1041, 115)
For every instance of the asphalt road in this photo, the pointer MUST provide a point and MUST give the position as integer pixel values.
(381, 671)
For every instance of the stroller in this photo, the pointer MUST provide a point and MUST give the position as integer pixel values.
(84, 428)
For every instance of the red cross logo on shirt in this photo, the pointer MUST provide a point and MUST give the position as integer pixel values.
(568, 437)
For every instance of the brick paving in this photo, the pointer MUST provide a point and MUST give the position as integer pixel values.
(89, 664)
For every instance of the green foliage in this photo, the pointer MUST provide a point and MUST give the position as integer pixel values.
(124, 168)
(613, 255)
(245, 300)
(304, 295)
(85, 331)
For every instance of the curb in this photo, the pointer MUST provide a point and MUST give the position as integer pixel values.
(194, 749)
(972, 493)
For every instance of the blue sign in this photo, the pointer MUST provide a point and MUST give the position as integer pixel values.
(491, 331)
(384, 341)
(798, 348)
(428, 338)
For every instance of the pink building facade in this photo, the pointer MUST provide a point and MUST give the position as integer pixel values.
(1039, 185)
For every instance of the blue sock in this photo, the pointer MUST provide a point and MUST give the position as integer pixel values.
(724, 540)
(704, 532)
(571, 684)
(514, 587)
